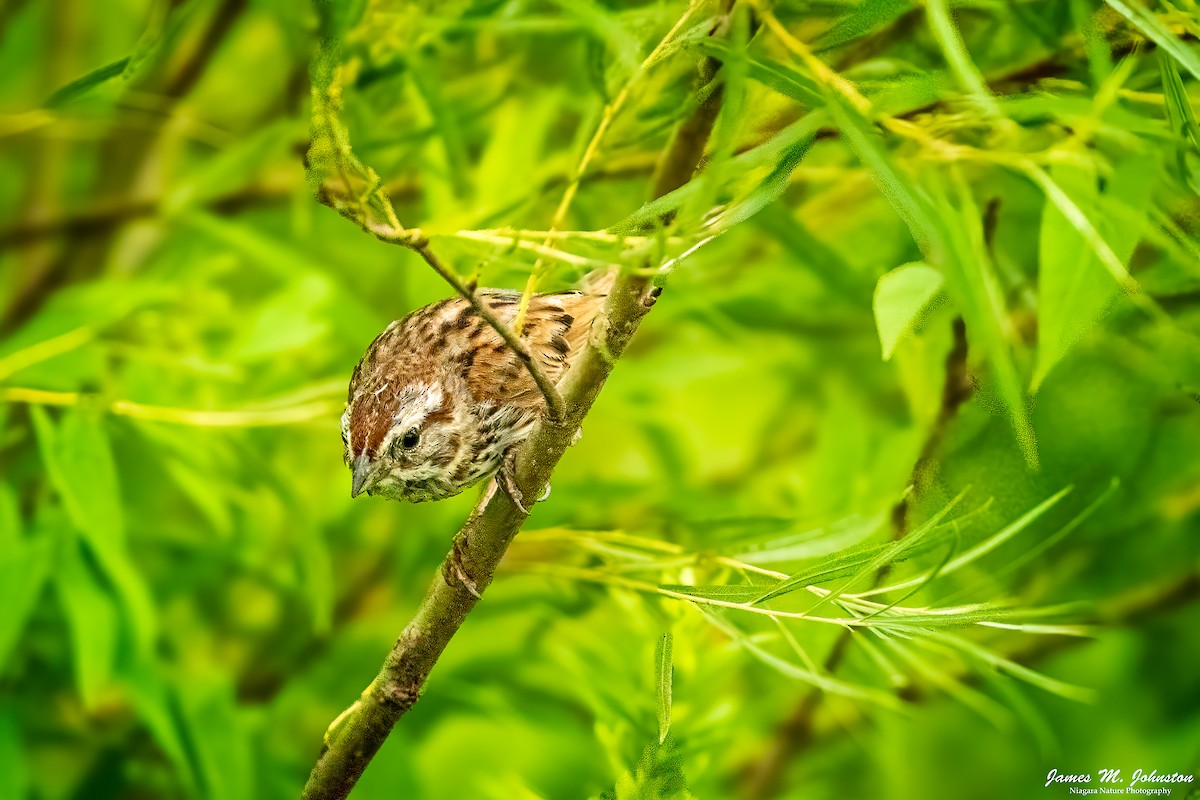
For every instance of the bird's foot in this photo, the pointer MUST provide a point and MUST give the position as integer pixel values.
(455, 567)
(505, 480)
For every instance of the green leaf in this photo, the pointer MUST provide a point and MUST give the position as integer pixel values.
(14, 763)
(11, 536)
(901, 296)
(316, 571)
(93, 622)
(863, 18)
(812, 543)
(821, 680)
(1153, 28)
(860, 561)
(987, 545)
(158, 710)
(1074, 287)
(84, 84)
(954, 50)
(24, 568)
(906, 196)
(1181, 118)
(81, 468)
(663, 669)
(222, 750)
(233, 167)
(972, 283)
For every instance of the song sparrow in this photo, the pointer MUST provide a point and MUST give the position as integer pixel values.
(439, 397)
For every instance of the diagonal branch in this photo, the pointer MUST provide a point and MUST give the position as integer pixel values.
(356, 735)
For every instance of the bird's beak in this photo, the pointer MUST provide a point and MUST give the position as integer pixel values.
(361, 469)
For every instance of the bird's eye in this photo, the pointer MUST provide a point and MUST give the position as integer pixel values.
(410, 439)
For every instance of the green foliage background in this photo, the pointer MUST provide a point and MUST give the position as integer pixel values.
(190, 597)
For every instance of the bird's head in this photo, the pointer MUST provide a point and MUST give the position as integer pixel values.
(403, 440)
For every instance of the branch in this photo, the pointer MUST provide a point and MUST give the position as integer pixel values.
(356, 735)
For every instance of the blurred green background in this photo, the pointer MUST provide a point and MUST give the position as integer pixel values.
(189, 596)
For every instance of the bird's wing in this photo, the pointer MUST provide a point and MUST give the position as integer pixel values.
(555, 331)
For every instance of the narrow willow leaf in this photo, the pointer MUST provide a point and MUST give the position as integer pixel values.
(820, 680)
(24, 568)
(987, 545)
(887, 666)
(1032, 677)
(860, 563)
(929, 577)
(972, 283)
(955, 52)
(1179, 105)
(1182, 119)
(863, 18)
(157, 708)
(82, 85)
(908, 200)
(772, 74)
(94, 623)
(1029, 714)
(1156, 31)
(1075, 287)
(977, 701)
(745, 169)
(901, 296)
(739, 593)
(80, 465)
(663, 670)
(764, 192)
(814, 543)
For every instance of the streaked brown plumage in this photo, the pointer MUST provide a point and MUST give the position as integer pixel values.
(439, 397)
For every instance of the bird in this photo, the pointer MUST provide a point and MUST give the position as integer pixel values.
(439, 399)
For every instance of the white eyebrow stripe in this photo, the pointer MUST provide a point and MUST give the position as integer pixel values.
(417, 401)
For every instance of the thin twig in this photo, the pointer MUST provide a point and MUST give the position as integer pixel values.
(356, 735)
(195, 417)
(554, 400)
(413, 239)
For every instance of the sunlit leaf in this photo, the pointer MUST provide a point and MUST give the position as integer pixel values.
(901, 296)
(861, 19)
(663, 672)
